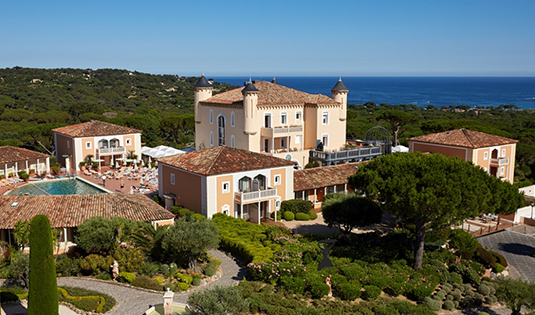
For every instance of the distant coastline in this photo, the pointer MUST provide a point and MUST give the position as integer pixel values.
(420, 91)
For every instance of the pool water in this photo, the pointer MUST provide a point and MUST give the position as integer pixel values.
(57, 187)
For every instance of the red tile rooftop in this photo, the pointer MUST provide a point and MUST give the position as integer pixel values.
(271, 94)
(72, 210)
(95, 128)
(10, 154)
(223, 160)
(319, 177)
(464, 138)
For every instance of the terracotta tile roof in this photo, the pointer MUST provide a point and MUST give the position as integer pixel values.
(95, 128)
(319, 177)
(10, 154)
(72, 210)
(464, 138)
(271, 94)
(223, 160)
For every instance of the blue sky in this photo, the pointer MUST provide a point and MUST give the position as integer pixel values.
(362, 38)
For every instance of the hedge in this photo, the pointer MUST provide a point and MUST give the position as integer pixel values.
(289, 216)
(299, 216)
(296, 206)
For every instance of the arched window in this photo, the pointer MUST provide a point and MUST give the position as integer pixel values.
(244, 184)
(114, 143)
(103, 144)
(232, 119)
(221, 130)
(494, 154)
(259, 182)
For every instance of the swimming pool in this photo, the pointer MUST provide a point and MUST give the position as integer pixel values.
(71, 186)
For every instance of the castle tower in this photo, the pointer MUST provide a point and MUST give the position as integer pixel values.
(250, 100)
(340, 95)
(202, 90)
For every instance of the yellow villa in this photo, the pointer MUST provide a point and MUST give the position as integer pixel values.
(107, 143)
(274, 119)
(494, 154)
(233, 181)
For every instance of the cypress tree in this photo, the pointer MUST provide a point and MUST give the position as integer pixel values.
(43, 291)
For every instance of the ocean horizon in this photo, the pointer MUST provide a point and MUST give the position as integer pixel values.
(419, 91)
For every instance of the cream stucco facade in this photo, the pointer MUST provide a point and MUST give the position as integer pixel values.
(270, 118)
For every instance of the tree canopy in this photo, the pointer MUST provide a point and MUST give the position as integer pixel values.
(433, 190)
(397, 120)
(350, 211)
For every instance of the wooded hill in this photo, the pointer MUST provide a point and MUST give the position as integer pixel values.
(34, 101)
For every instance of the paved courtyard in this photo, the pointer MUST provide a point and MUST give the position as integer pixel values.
(518, 248)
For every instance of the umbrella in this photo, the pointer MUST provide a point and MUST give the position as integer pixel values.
(116, 163)
(131, 189)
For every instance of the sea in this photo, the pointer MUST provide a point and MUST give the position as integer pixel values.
(419, 91)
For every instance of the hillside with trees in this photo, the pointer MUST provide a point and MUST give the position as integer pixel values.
(34, 101)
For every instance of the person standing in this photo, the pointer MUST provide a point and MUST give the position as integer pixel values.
(122, 184)
(104, 180)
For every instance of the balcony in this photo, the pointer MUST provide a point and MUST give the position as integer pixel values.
(281, 131)
(345, 155)
(499, 161)
(255, 196)
(111, 151)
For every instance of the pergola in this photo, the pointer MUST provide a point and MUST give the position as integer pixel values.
(13, 160)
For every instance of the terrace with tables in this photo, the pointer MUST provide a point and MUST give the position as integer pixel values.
(135, 180)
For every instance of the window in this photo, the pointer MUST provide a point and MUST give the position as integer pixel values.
(485, 156)
(298, 139)
(211, 116)
(114, 143)
(267, 120)
(282, 143)
(284, 118)
(211, 138)
(232, 119)
(325, 140)
(68, 144)
(503, 152)
(225, 209)
(277, 204)
(221, 130)
(172, 179)
(325, 118)
(277, 179)
(329, 190)
(502, 169)
(88, 145)
(103, 144)
(298, 115)
(232, 141)
(299, 195)
(128, 141)
(226, 187)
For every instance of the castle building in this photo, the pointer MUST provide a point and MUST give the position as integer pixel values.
(270, 118)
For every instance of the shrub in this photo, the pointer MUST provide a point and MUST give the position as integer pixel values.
(463, 243)
(499, 258)
(486, 257)
(219, 300)
(318, 289)
(182, 278)
(483, 289)
(289, 216)
(210, 271)
(164, 268)
(150, 269)
(126, 277)
(302, 216)
(95, 264)
(293, 284)
(456, 294)
(129, 258)
(422, 291)
(433, 304)
(104, 276)
(279, 217)
(448, 305)
(183, 286)
(499, 268)
(67, 267)
(43, 290)
(159, 280)
(349, 291)
(371, 292)
(196, 282)
(296, 206)
(147, 283)
(313, 215)
(96, 234)
(172, 268)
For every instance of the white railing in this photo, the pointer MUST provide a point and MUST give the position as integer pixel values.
(256, 195)
(500, 161)
(111, 150)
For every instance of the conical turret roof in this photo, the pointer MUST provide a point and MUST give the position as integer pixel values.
(202, 83)
(249, 88)
(340, 86)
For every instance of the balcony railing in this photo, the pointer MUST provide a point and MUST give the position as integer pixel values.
(104, 151)
(243, 197)
(328, 158)
(499, 161)
(281, 131)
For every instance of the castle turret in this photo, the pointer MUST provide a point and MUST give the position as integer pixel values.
(202, 91)
(339, 92)
(250, 100)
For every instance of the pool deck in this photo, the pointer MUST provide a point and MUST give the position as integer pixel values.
(111, 185)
